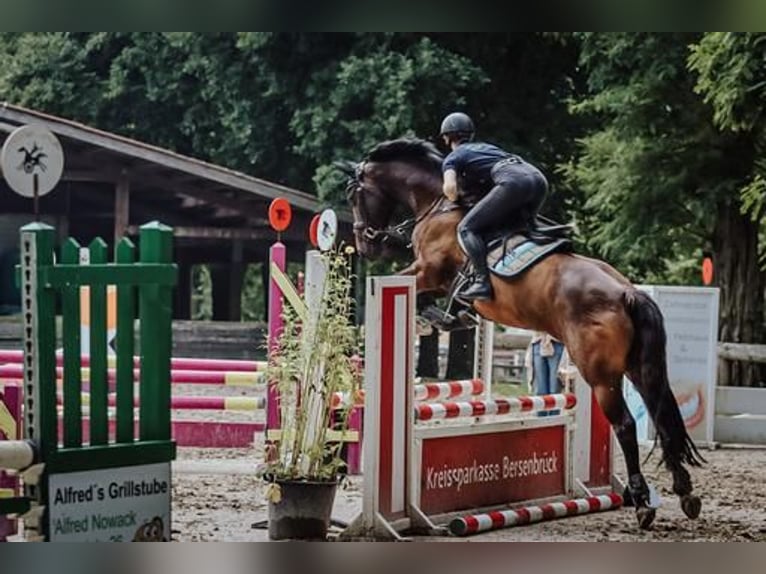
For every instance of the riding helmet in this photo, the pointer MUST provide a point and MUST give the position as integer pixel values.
(457, 122)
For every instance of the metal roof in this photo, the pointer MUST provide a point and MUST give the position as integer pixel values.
(214, 194)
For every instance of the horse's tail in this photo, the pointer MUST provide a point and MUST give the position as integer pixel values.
(647, 363)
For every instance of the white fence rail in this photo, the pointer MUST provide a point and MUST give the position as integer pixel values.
(740, 415)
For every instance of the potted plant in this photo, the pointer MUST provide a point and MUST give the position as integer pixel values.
(313, 367)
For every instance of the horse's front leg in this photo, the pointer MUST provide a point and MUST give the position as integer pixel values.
(412, 269)
(424, 277)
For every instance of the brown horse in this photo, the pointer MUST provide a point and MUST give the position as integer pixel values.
(610, 329)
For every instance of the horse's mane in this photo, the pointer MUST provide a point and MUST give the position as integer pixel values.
(410, 150)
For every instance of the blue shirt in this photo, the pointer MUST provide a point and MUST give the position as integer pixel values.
(473, 162)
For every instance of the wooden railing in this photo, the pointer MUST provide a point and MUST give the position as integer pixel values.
(742, 352)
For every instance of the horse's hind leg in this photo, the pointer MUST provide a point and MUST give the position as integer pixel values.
(682, 486)
(682, 483)
(612, 403)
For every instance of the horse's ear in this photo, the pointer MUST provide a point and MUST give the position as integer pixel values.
(345, 166)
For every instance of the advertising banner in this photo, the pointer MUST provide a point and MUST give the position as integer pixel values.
(479, 470)
(128, 504)
(691, 326)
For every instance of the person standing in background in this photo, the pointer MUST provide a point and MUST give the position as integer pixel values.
(544, 354)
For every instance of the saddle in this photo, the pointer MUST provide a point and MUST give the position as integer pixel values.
(508, 255)
(511, 253)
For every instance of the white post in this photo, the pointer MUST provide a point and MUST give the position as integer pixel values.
(316, 275)
(482, 361)
(316, 272)
(389, 369)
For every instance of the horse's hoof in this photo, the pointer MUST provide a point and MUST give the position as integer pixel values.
(691, 505)
(645, 516)
(423, 327)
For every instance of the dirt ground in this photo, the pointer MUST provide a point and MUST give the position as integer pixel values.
(216, 497)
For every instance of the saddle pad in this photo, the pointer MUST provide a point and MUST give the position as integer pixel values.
(518, 253)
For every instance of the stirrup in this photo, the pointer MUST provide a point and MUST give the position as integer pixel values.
(446, 321)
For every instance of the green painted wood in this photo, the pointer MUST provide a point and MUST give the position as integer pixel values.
(114, 274)
(111, 456)
(40, 340)
(151, 280)
(99, 389)
(155, 314)
(39, 317)
(70, 307)
(125, 342)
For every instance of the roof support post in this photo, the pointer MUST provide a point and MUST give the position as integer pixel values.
(121, 207)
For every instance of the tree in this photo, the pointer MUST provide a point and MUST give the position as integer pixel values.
(732, 79)
(661, 182)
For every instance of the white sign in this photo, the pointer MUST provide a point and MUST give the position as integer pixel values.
(691, 326)
(32, 154)
(327, 230)
(127, 504)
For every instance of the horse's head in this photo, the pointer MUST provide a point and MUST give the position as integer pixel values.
(372, 208)
(389, 177)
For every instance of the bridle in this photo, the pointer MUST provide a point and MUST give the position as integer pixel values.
(401, 232)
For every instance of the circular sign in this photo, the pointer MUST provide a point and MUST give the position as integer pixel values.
(280, 214)
(328, 229)
(313, 229)
(31, 156)
(707, 271)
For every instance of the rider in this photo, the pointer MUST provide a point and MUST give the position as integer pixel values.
(501, 190)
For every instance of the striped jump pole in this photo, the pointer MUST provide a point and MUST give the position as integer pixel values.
(453, 410)
(423, 392)
(176, 363)
(439, 391)
(233, 378)
(475, 523)
(195, 403)
(201, 434)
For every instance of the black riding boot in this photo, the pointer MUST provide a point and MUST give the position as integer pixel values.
(481, 288)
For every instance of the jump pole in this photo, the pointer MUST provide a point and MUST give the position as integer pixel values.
(14, 357)
(475, 523)
(228, 378)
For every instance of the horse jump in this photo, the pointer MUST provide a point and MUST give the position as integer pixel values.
(417, 476)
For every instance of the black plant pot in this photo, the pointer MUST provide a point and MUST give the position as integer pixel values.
(304, 511)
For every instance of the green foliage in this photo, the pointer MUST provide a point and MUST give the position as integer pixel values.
(253, 294)
(388, 87)
(655, 168)
(642, 136)
(313, 363)
(731, 77)
(55, 72)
